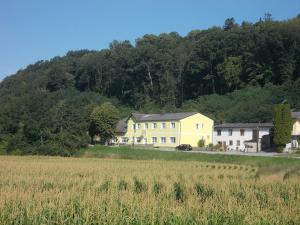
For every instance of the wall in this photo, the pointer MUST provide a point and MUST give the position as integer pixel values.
(185, 132)
(236, 136)
(190, 134)
(296, 127)
(146, 134)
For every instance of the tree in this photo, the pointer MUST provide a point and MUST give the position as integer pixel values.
(229, 24)
(103, 121)
(282, 125)
(230, 71)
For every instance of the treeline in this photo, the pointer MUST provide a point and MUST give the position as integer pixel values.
(232, 73)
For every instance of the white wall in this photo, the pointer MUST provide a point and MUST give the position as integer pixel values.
(236, 136)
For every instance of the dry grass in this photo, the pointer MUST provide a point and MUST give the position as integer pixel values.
(52, 190)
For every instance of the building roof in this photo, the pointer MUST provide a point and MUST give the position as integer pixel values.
(121, 126)
(139, 117)
(244, 125)
(296, 115)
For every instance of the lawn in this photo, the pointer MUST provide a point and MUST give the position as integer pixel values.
(100, 151)
(171, 188)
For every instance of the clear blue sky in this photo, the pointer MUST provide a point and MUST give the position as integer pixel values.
(32, 30)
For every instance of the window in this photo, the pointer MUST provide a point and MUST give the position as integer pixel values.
(238, 142)
(199, 125)
(163, 125)
(230, 142)
(145, 141)
(219, 132)
(219, 142)
(230, 132)
(138, 126)
(146, 125)
(163, 140)
(138, 140)
(173, 125)
(124, 140)
(173, 140)
(242, 132)
(154, 125)
(154, 140)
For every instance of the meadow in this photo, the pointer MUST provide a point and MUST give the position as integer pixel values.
(55, 190)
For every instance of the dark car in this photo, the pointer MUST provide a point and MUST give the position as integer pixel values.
(184, 147)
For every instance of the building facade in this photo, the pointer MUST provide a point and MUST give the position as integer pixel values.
(248, 137)
(296, 130)
(165, 130)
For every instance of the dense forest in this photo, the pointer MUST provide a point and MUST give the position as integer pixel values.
(232, 73)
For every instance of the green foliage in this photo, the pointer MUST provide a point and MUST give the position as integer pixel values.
(104, 187)
(224, 72)
(203, 192)
(201, 143)
(101, 151)
(103, 122)
(282, 125)
(157, 188)
(179, 192)
(3, 147)
(123, 185)
(139, 186)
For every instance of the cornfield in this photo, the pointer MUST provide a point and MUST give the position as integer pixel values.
(54, 190)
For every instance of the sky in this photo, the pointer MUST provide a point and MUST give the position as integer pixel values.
(32, 30)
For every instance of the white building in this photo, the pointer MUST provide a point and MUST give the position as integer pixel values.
(296, 130)
(248, 137)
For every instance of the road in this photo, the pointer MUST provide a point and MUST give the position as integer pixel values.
(266, 154)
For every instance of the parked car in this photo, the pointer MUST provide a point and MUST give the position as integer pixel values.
(184, 147)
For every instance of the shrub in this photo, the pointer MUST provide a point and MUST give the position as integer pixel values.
(201, 143)
(3, 148)
(139, 186)
(179, 192)
(123, 185)
(16, 152)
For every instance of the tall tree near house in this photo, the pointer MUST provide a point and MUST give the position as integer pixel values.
(103, 121)
(282, 125)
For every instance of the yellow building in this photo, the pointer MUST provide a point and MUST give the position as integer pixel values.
(296, 130)
(165, 130)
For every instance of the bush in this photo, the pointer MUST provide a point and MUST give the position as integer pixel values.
(279, 148)
(3, 148)
(16, 152)
(201, 143)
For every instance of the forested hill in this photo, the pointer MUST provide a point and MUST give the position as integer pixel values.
(231, 73)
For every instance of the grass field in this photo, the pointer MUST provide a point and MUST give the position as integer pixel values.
(100, 151)
(54, 190)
